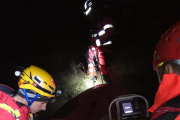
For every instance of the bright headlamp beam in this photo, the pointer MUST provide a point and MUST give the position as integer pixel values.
(17, 73)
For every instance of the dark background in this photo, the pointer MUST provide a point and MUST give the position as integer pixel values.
(51, 34)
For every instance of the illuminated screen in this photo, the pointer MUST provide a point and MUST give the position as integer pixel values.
(127, 107)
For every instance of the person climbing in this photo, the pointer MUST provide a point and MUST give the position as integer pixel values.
(99, 55)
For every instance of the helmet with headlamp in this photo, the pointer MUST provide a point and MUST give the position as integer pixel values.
(39, 81)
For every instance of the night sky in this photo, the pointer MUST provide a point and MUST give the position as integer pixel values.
(51, 33)
(40, 33)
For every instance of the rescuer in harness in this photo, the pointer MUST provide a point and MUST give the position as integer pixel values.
(36, 89)
(167, 65)
(99, 55)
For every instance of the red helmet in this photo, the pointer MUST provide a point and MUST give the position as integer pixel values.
(168, 47)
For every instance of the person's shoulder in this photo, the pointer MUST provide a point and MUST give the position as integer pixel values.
(6, 94)
(6, 89)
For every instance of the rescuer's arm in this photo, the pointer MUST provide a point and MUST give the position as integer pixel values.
(108, 29)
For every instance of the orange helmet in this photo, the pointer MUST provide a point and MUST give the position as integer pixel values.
(168, 47)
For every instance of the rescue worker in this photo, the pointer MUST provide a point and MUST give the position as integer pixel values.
(167, 65)
(99, 55)
(36, 89)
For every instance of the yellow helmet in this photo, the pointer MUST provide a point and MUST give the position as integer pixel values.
(38, 80)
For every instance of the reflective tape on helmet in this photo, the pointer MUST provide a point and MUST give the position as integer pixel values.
(108, 26)
(108, 43)
(90, 3)
(98, 43)
(15, 112)
(85, 4)
(102, 32)
(37, 79)
(87, 12)
(160, 64)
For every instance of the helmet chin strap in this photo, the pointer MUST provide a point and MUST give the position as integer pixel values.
(27, 98)
(159, 78)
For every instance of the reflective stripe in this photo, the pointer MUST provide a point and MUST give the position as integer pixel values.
(94, 35)
(85, 4)
(98, 43)
(30, 116)
(90, 65)
(91, 59)
(108, 26)
(15, 112)
(87, 12)
(93, 48)
(108, 43)
(91, 69)
(102, 32)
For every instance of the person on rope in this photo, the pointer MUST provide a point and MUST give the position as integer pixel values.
(36, 89)
(99, 55)
(167, 65)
